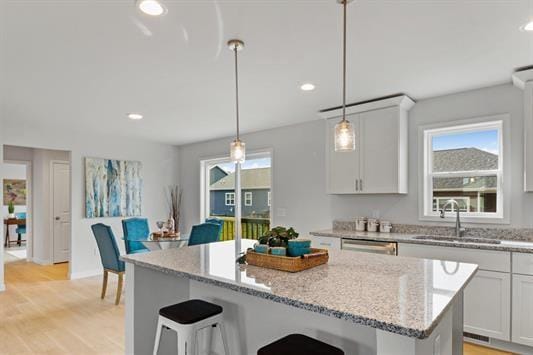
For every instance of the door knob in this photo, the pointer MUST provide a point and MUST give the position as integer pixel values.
(58, 218)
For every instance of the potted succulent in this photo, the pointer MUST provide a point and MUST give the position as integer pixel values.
(11, 209)
(278, 237)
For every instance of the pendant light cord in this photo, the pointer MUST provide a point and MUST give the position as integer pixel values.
(236, 89)
(345, 2)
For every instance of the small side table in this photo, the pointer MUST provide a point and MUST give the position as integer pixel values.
(13, 222)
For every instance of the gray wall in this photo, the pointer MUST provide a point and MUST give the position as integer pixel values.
(299, 198)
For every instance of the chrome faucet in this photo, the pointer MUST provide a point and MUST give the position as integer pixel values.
(458, 230)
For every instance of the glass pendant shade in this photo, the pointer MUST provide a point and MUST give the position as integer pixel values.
(344, 137)
(237, 151)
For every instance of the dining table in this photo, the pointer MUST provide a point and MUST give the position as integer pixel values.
(13, 222)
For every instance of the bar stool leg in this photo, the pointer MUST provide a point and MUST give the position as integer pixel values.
(224, 337)
(185, 343)
(158, 335)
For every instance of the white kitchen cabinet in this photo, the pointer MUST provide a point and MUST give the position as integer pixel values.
(523, 309)
(331, 243)
(487, 305)
(487, 298)
(379, 162)
(343, 168)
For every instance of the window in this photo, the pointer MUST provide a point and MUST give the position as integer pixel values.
(230, 198)
(247, 198)
(218, 197)
(464, 163)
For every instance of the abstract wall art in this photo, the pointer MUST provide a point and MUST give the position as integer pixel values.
(113, 188)
(15, 190)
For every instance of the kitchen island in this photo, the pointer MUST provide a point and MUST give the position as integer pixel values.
(362, 303)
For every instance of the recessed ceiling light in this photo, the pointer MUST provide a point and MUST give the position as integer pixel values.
(307, 87)
(135, 116)
(528, 26)
(151, 7)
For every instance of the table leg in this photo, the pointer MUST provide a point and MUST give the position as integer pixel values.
(7, 236)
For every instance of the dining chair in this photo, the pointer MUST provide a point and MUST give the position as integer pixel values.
(135, 230)
(110, 256)
(217, 221)
(21, 228)
(204, 233)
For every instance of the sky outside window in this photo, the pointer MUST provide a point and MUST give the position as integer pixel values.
(483, 140)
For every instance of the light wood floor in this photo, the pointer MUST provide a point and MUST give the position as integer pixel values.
(44, 313)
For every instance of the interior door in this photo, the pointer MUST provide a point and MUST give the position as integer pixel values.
(61, 211)
(343, 167)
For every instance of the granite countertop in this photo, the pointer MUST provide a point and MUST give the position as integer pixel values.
(505, 245)
(406, 296)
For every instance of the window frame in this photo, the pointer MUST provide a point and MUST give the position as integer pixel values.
(248, 196)
(210, 160)
(427, 132)
(228, 197)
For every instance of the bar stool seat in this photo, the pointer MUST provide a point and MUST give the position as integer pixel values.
(190, 311)
(186, 319)
(298, 344)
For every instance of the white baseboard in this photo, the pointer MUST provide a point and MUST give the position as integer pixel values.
(84, 274)
(2, 287)
(503, 345)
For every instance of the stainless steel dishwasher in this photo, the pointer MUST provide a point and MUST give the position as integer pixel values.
(370, 246)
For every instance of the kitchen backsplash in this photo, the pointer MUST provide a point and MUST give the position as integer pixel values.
(524, 234)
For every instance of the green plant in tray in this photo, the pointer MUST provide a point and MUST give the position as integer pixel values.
(278, 237)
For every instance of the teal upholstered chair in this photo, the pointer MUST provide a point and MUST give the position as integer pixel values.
(110, 255)
(217, 221)
(204, 233)
(21, 228)
(135, 230)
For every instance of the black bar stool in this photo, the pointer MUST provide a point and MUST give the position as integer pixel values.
(298, 344)
(186, 319)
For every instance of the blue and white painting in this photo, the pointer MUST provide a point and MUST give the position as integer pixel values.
(113, 188)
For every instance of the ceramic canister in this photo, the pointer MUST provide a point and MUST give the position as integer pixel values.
(360, 224)
(373, 225)
(385, 227)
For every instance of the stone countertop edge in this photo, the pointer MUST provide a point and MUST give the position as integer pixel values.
(409, 238)
(392, 328)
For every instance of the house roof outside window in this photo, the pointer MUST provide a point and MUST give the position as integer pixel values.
(250, 179)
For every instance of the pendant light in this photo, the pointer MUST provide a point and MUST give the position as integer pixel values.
(237, 147)
(344, 132)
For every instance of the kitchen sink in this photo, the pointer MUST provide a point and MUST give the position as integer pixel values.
(457, 239)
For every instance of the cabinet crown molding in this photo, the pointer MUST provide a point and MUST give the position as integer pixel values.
(521, 77)
(402, 101)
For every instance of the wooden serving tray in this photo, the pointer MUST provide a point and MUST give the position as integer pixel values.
(286, 263)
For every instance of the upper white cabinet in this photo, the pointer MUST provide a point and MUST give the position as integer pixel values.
(524, 80)
(379, 163)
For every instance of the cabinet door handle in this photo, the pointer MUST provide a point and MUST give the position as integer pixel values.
(361, 184)
(356, 184)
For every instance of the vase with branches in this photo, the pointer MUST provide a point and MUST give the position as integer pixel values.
(174, 193)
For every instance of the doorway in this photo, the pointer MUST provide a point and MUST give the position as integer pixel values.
(16, 210)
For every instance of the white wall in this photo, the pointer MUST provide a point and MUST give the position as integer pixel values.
(159, 170)
(13, 171)
(299, 165)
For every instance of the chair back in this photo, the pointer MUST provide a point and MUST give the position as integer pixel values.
(217, 221)
(21, 228)
(135, 230)
(204, 233)
(108, 247)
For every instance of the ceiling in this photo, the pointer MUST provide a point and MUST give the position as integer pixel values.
(83, 64)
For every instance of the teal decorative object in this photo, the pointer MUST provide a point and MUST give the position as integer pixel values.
(279, 251)
(261, 248)
(299, 247)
